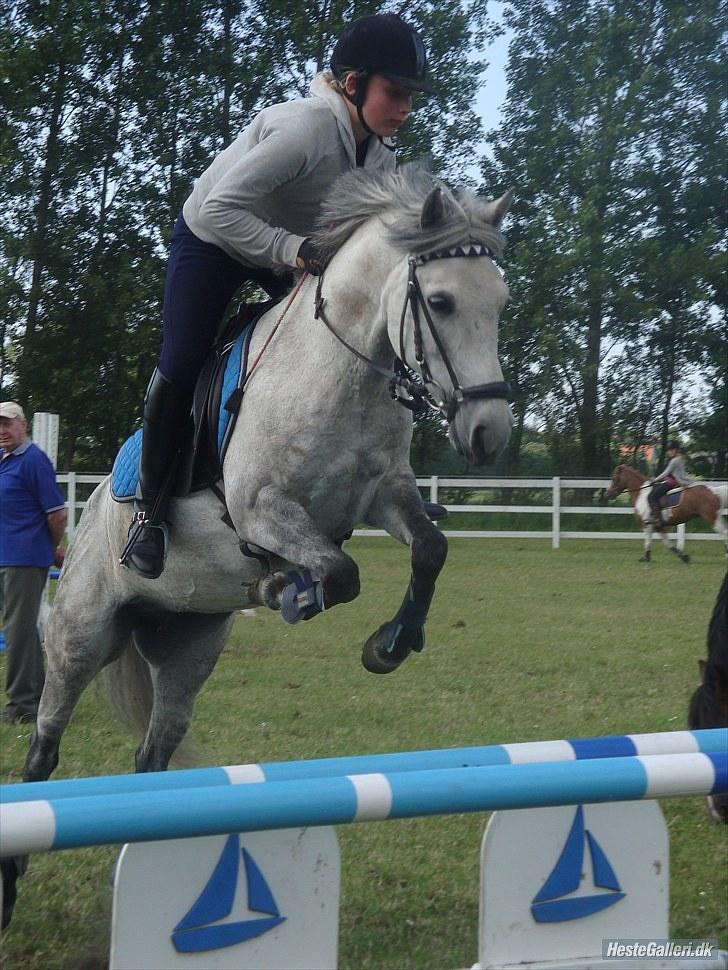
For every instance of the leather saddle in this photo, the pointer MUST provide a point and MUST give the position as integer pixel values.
(216, 401)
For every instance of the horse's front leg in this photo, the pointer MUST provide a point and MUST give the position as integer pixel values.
(283, 527)
(647, 553)
(399, 509)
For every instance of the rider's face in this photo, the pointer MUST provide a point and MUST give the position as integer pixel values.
(386, 105)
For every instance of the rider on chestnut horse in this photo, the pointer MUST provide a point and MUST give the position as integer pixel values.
(672, 476)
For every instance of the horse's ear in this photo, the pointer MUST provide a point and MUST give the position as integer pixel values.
(701, 670)
(433, 209)
(496, 211)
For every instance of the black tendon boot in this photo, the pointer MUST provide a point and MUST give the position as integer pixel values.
(166, 415)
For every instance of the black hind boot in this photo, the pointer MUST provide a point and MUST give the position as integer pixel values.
(166, 417)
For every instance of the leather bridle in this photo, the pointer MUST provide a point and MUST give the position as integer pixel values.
(426, 392)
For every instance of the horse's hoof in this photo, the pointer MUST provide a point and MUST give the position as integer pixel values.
(435, 512)
(12, 868)
(685, 558)
(302, 598)
(644, 558)
(384, 651)
(718, 808)
(267, 591)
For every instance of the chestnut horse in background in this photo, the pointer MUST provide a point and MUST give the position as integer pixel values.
(693, 501)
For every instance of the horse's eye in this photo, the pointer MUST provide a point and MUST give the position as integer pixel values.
(441, 302)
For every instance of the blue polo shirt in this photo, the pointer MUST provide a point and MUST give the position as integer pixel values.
(28, 493)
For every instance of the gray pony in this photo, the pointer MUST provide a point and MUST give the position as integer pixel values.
(319, 446)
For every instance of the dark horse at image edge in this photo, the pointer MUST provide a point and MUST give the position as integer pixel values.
(709, 703)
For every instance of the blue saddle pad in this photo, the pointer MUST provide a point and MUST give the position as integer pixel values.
(125, 473)
(672, 498)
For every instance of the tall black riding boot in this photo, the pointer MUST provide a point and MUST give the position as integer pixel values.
(166, 417)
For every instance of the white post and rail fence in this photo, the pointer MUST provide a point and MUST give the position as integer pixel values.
(559, 493)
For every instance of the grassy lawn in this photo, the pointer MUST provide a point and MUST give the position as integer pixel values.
(524, 643)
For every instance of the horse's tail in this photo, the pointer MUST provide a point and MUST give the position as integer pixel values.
(127, 685)
(722, 492)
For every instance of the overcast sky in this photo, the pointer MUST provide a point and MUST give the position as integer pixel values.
(493, 90)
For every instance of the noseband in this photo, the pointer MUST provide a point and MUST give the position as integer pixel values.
(419, 394)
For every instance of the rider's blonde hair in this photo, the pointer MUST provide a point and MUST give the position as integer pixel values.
(339, 85)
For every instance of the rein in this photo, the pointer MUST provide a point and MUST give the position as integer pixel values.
(271, 335)
(402, 376)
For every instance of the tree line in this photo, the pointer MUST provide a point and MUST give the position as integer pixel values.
(610, 136)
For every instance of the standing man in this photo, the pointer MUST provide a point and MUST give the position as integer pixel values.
(32, 524)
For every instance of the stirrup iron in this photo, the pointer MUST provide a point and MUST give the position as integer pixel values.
(140, 521)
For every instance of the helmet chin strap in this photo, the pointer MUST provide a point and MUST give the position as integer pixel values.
(360, 116)
(358, 99)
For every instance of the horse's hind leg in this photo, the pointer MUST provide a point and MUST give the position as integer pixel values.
(672, 546)
(79, 641)
(76, 650)
(181, 650)
(719, 525)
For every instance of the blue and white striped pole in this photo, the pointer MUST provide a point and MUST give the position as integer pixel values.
(147, 816)
(712, 741)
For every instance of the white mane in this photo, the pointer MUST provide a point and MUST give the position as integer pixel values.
(398, 198)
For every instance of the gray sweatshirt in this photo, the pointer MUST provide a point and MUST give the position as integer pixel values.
(260, 197)
(676, 468)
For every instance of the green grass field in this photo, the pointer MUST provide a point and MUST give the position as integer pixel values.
(524, 643)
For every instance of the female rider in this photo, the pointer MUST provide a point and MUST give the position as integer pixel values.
(248, 219)
(674, 474)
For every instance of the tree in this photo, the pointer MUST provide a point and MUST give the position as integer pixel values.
(113, 110)
(608, 173)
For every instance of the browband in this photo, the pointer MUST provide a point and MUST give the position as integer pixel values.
(474, 249)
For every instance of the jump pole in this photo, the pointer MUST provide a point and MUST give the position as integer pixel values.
(65, 823)
(712, 741)
(165, 916)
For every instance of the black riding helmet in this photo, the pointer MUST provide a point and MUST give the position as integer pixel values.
(381, 44)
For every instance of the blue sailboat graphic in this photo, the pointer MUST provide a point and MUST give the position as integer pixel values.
(200, 930)
(553, 904)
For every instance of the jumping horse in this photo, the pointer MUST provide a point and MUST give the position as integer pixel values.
(679, 505)
(319, 446)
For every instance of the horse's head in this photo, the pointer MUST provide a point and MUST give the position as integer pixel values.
(425, 258)
(616, 484)
(442, 304)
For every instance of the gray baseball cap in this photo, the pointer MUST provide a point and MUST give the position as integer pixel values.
(9, 409)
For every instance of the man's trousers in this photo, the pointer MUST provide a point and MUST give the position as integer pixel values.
(24, 676)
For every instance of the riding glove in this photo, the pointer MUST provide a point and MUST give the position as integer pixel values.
(309, 258)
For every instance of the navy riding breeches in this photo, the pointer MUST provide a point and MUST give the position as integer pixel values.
(658, 490)
(201, 281)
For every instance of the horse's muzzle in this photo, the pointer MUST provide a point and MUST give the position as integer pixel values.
(485, 435)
